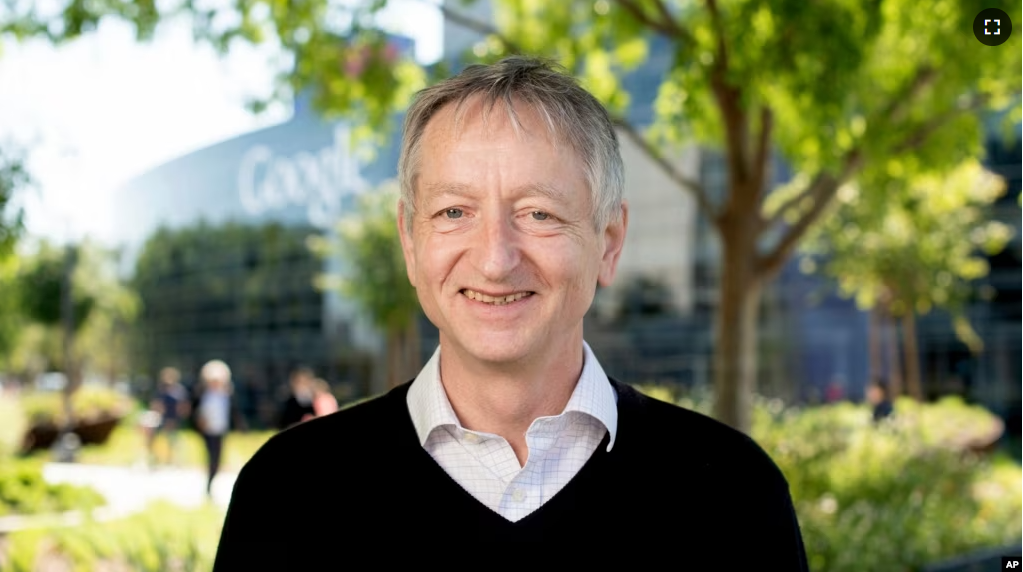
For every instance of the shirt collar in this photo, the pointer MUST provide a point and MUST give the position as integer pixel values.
(593, 395)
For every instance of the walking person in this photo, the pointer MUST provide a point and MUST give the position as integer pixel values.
(298, 407)
(213, 413)
(172, 406)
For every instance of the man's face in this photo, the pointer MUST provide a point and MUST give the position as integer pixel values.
(503, 252)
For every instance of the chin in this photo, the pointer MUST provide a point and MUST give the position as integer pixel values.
(501, 348)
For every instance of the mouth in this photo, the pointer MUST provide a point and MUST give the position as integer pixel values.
(500, 300)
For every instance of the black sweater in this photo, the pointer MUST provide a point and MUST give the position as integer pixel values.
(677, 489)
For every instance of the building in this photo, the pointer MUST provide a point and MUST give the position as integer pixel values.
(218, 239)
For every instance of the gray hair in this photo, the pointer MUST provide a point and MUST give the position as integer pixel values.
(571, 113)
(215, 370)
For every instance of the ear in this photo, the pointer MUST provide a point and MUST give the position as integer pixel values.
(614, 241)
(406, 245)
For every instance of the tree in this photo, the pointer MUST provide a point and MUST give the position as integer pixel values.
(838, 89)
(13, 176)
(103, 307)
(904, 246)
(376, 278)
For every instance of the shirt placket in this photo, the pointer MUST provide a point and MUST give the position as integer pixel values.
(525, 492)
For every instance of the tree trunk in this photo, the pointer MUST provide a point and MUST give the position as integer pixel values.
(911, 356)
(735, 344)
(71, 371)
(894, 365)
(874, 343)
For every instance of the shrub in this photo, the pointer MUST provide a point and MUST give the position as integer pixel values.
(23, 490)
(89, 403)
(12, 425)
(896, 495)
(162, 538)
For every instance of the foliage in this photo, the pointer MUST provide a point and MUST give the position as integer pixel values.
(12, 425)
(370, 248)
(163, 538)
(89, 403)
(104, 309)
(13, 177)
(23, 490)
(374, 276)
(42, 288)
(11, 319)
(892, 496)
(911, 243)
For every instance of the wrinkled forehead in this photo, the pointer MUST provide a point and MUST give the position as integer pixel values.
(490, 114)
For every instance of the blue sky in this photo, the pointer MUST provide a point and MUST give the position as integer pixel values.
(98, 112)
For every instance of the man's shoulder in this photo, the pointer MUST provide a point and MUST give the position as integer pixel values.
(695, 435)
(328, 439)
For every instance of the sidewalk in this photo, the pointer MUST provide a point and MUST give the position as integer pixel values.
(127, 490)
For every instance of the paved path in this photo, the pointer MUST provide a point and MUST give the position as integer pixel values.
(129, 489)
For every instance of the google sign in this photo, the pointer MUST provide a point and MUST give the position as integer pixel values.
(317, 181)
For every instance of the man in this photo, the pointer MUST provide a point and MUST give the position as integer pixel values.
(299, 405)
(512, 435)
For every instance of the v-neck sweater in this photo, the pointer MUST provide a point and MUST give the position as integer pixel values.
(358, 484)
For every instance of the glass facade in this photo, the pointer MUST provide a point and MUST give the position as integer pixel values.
(217, 240)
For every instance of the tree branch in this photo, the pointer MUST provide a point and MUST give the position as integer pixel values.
(666, 26)
(924, 77)
(693, 186)
(822, 189)
(920, 135)
(733, 116)
(779, 214)
(669, 18)
(484, 28)
(719, 29)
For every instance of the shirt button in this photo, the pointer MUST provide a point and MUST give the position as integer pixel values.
(471, 438)
(518, 495)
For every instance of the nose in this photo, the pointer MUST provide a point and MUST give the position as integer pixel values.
(497, 250)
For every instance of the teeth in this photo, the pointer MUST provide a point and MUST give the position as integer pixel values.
(498, 301)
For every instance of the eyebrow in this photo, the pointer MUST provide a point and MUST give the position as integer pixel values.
(464, 190)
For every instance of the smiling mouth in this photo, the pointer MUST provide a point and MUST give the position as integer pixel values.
(495, 300)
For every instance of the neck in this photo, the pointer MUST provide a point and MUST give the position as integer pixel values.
(505, 399)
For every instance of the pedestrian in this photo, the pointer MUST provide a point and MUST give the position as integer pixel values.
(879, 398)
(213, 414)
(299, 404)
(513, 436)
(172, 407)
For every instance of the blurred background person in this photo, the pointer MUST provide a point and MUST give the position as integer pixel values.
(299, 404)
(172, 406)
(213, 413)
(324, 402)
(877, 395)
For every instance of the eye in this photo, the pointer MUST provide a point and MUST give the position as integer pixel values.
(453, 213)
(540, 215)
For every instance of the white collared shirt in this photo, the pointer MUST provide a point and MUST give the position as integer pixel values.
(485, 464)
